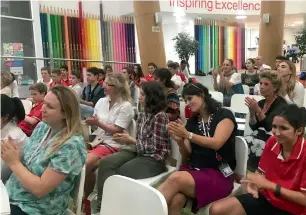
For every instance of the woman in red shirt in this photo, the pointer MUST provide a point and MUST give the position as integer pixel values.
(279, 184)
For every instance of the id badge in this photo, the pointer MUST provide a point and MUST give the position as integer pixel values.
(226, 170)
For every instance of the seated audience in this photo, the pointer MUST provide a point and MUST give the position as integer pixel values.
(176, 79)
(181, 74)
(163, 76)
(251, 76)
(113, 114)
(260, 64)
(151, 69)
(12, 112)
(56, 76)
(38, 92)
(138, 75)
(64, 71)
(227, 81)
(184, 69)
(208, 143)
(101, 77)
(45, 170)
(279, 184)
(76, 83)
(128, 73)
(292, 90)
(45, 77)
(152, 141)
(6, 81)
(108, 69)
(91, 93)
(278, 60)
(261, 115)
(14, 87)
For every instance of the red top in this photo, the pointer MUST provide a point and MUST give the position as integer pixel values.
(183, 77)
(149, 77)
(101, 82)
(34, 113)
(67, 82)
(289, 173)
(62, 83)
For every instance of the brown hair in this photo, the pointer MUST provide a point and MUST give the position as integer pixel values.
(39, 87)
(274, 78)
(292, 81)
(6, 78)
(57, 72)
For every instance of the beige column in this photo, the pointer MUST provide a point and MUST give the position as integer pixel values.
(271, 34)
(151, 44)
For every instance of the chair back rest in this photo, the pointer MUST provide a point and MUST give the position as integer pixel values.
(27, 106)
(135, 97)
(78, 190)
(305, 99)
(238, 103)
(218, 96)
(175, 153)
(182, 111)
(241, 153)
(246, 89)
(123, 195)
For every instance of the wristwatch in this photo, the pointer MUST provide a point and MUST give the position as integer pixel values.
(190, 136)
(277, 191)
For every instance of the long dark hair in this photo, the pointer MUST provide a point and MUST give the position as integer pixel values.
(197, 89)
(293, 114)
(12, 108)
(139, 73)
(164, 76)
(155, 99)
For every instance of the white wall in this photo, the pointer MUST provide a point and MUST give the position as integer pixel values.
(171, 27)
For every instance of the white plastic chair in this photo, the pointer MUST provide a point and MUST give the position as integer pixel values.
(246, 89)
(27, 106)
(126, 196)
(241, 152)
(77, 194)
(182, 111)
(305, 98)
(217, 96)
(176, 155)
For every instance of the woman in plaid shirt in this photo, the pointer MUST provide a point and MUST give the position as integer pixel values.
(152, 141)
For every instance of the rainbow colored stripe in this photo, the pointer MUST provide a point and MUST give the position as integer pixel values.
(74, 35)
(218, 42)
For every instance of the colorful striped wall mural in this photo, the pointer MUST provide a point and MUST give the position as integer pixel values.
(218, 41)
(77, 35)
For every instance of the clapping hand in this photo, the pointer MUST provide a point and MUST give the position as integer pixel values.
(10, 151)
(178, 129)
(93, 120)
(214, 73)
(252, 105)
(122, 138)
(256, 182)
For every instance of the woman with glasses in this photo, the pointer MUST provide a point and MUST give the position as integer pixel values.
(113, 114)
(208, 143)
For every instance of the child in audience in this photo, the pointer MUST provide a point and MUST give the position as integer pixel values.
(181, 74)
(56, 76)
(184, 70)
(76, 83)
(101, 76)
(279, 184)
(163, 76)
(91, 93)
(151, 69)
(12, 112)
(292, 90)
(176, 79)
(64, 71)
(227, 81)
(152, 142)
(108, 69)
(38, 92)
(261, 115)
(46, 169)
(207, 141)
(113, 114)
(45, 77)
(6, 80)
(138, 75)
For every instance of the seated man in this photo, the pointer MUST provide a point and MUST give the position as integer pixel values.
(57, 78)
(91, 93)
(38, 92)
(64, 71)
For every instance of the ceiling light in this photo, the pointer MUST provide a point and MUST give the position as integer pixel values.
(241, 17)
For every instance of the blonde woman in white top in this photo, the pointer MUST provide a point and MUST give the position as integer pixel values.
(12, 112)
(293, 91)
(45, 77)
(76, 83)
(6, 81)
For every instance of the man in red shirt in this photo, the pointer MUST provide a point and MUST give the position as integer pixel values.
(57, 78)
(65, 78)
(151, 69)
(38, 92)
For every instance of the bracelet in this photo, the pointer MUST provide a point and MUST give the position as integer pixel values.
(277, 191)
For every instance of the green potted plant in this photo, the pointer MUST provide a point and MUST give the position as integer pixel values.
(300, 39)
(185, 46)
